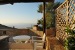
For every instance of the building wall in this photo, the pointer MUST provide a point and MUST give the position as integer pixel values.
(9, 32)
(35, 27)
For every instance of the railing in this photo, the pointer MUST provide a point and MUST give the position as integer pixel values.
(40, 33)
(65, 16)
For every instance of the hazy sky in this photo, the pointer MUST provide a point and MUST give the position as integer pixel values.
(20, 13)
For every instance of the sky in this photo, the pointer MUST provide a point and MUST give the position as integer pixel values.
(20, 15)
(59, 0)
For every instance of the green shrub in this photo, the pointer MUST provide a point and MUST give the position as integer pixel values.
(70, 43)
(70, 40)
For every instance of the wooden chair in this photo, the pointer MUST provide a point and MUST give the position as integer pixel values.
(38, 41)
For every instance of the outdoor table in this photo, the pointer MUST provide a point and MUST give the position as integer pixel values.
(21, 38)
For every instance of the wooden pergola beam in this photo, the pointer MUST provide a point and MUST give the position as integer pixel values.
(27, 0)
(22, 1)
(44, 19)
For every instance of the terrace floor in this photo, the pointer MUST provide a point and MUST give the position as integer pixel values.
(55, 44)
(21, 46)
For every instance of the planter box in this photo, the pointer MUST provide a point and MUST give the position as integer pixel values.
(51, 32)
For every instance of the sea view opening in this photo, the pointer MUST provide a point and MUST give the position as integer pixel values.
(28, 25)
(16, 35)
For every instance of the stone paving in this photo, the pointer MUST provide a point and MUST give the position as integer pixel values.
(55, 44)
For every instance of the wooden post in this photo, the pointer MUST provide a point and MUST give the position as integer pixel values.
(44, 23)
(44, 19)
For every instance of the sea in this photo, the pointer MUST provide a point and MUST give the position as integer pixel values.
(21, 25)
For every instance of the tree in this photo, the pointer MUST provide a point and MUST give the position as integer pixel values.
(50, 14)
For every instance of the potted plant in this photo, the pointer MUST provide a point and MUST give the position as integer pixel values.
(70, 40)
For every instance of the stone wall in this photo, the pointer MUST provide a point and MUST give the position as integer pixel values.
(7, 32)
(22, 31)
(14, 32)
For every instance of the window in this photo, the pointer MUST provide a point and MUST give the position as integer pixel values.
(4, 32)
